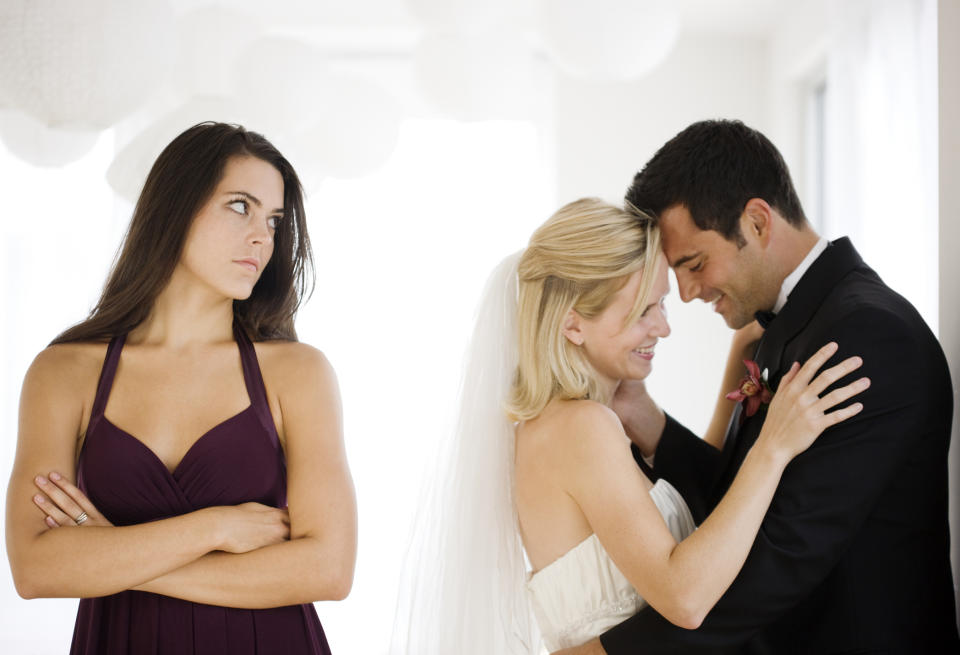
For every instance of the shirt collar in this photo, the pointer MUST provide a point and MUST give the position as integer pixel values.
(791, 280)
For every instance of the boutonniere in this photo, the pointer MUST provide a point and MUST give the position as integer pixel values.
(753, 389)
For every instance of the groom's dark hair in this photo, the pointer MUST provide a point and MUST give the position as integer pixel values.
(713, 168)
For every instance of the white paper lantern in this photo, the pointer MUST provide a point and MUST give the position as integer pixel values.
(355, 131)
(476, 75)
(130, 167)
(280, 81)
(84, 65)
(210, 40)
(35, 143)
(609, 40)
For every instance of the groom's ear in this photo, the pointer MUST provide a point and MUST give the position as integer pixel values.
(572, 328)
(757, 220)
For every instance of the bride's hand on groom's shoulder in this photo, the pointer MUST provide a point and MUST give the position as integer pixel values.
(802, 408)
(642, 419)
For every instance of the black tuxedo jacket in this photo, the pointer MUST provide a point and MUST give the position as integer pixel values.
(853, 553)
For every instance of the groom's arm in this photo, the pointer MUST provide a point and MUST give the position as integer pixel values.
(824, 497)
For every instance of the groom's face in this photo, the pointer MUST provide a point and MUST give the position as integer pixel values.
(715, 270)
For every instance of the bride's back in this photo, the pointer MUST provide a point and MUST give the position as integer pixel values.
(548, 447)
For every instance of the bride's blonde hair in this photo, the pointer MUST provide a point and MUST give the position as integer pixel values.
(577, 260)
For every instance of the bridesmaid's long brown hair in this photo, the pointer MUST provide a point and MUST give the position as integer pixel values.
(179, 184)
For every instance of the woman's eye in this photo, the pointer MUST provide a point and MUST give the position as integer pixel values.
(239, 206)
(273, 221)
(697, 268)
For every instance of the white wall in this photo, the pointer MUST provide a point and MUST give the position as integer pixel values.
(606, 132)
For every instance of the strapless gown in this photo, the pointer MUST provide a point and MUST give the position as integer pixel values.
(237, 461)
(582, 594)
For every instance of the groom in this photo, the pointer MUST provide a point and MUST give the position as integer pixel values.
(853, 554)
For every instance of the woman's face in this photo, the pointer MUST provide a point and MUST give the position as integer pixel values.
(231, 238)
(620, 350)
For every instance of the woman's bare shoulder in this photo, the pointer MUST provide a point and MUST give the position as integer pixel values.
(67, 365)
(571, 430)
(293, 364)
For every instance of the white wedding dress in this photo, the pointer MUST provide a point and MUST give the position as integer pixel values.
(582, 594)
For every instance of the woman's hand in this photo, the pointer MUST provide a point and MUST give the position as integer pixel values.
(797, 415)
(63, 504)
(642, 419)
(242, 528)
(251, 526)
(745, 340)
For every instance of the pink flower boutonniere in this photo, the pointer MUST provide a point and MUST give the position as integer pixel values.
(753, 389)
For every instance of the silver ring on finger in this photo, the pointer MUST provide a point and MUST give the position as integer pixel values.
(80, 519)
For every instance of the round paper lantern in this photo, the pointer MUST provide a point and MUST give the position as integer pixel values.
(35, 143)
(129, 168)
(279, 80)
(84, 64)
(610, 40)
(210, 40)
(476, 75)
(355, 131)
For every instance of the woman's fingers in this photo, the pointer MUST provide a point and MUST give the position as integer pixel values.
(58, 497)
(77, 496)
(837, 396)
(51, 510)
(840, 415)
(50, 523)
(815, 363)
(789, 375)
(834, 373)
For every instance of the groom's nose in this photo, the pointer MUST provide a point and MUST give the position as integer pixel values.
(687, 286)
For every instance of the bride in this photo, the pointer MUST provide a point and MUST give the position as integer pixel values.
(542, 526)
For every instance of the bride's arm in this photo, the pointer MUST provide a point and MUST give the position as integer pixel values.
(743, 346)
(682, 581)
(97, 560)
(318, 561)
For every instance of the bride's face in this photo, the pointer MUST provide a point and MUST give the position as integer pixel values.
(624, 351)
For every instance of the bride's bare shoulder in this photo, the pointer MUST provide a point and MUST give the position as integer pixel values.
(570, 430)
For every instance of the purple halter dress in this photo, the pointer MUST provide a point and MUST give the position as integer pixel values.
(237, 461)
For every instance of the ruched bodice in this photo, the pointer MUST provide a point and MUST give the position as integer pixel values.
(239, 460)
(582, 593)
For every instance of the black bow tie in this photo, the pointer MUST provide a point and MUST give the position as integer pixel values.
(764, 318)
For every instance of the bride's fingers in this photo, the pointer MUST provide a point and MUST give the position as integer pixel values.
(50, 523)
(834, 373)
(837, 396)
(840, 415)
(59, 498)
(75, 494)
(816, 361)
(789, 375)
(51, 510)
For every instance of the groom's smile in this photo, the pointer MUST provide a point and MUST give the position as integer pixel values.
(716, 270)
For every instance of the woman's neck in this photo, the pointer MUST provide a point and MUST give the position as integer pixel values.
(186, 313)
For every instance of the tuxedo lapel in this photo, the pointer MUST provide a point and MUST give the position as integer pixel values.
(830, 267)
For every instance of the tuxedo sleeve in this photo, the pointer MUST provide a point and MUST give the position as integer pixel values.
(687, 462)
(825, 494)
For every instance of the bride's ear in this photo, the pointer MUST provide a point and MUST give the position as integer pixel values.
(572, 328)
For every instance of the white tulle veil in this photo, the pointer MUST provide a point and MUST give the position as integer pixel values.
(462, 591)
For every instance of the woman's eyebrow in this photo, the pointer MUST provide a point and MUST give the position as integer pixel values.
(255, 200)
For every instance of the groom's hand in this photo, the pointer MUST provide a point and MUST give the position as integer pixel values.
(642, 420)
(592, 647)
